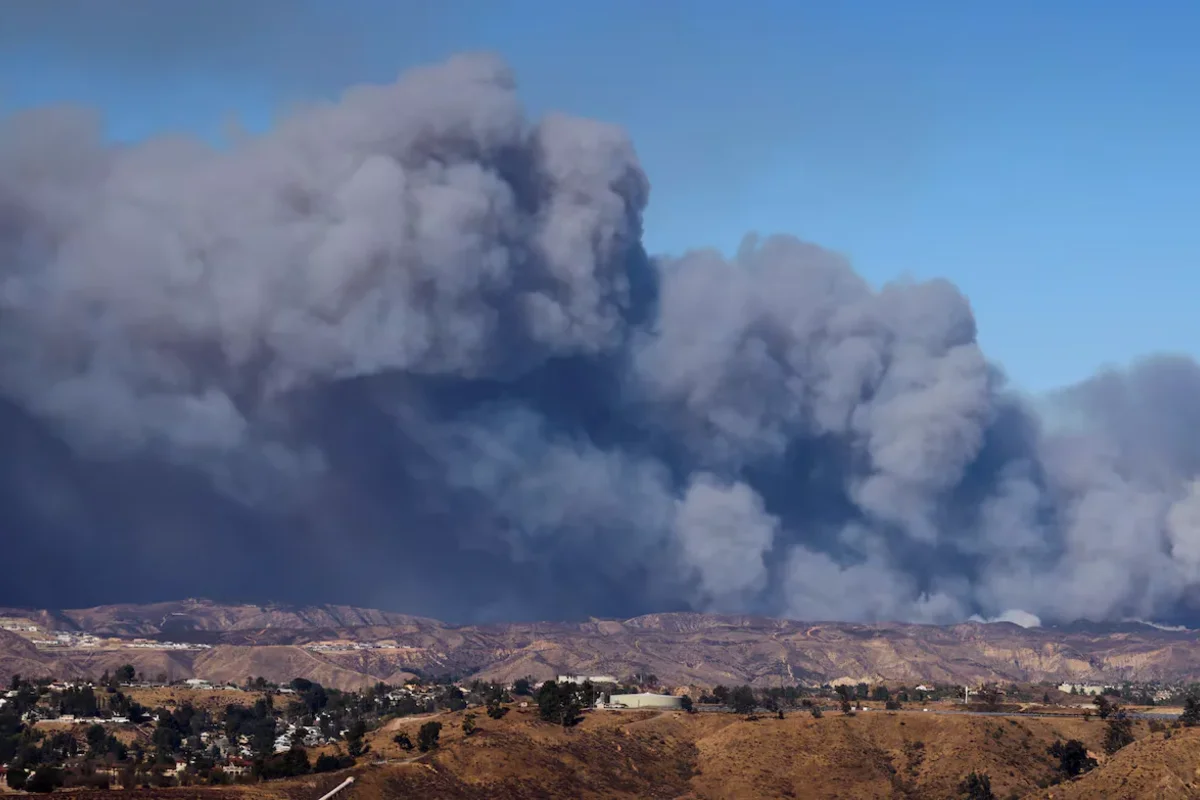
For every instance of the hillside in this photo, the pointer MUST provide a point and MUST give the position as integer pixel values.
(1159, 766)
(905, 756)
(19, 657)
(710, 756)
(349, 647)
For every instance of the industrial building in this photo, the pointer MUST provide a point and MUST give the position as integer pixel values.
(643, 700)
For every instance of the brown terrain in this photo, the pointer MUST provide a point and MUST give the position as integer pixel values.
(706, 756)
(277, 643)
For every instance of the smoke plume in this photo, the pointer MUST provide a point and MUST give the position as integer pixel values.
(407, 350)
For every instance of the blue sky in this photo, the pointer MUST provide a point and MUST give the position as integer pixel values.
(1042, 155)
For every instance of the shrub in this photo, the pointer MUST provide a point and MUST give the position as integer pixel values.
(427, 736)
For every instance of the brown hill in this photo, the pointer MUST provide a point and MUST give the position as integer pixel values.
(19, 657)
(194, 615)
(901, 755)
(1163, 766)
(710, 756)
(276, 642)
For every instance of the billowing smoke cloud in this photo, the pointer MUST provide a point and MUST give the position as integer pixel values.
(407, 350)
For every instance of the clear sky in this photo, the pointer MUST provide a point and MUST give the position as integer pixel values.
(1041, 154)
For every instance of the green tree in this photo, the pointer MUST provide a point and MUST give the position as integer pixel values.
(559, 702)
(685, 703)
(287, 765)
(326, 763)
(427, 736)
(1190, 717)
(816, 712)
(468, 724)
(977, 786)
(881, 694)
(494, 709)
(522, 686)
(44, 780)
(16, 778)
(167, 738)
(402, 741)
(126, 674)
(1119, 732)
(845, 694)
(742, 700)
(355, 745)
(1073, 758)
(1104, 706)
(97, 739)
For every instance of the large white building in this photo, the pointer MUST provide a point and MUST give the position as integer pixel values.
(581, 679)
(646, 700)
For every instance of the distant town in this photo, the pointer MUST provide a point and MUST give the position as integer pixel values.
(47, 639)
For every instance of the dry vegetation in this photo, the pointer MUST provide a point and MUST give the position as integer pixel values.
(170, 697)
(709, 756)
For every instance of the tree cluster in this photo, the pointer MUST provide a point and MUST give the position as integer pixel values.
(977, 786)
(427, 736)
(1073, 758)
(560, 703)
(1190, 717)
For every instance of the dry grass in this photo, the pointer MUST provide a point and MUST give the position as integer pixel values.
(649, 754)
(207, 699)
(1157, 766)
(709, 756)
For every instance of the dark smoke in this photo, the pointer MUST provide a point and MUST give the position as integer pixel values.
(407, 350)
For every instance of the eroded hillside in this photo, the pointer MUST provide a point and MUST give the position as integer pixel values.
(349, 648)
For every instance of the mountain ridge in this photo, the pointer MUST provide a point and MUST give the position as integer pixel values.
(349, 647)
